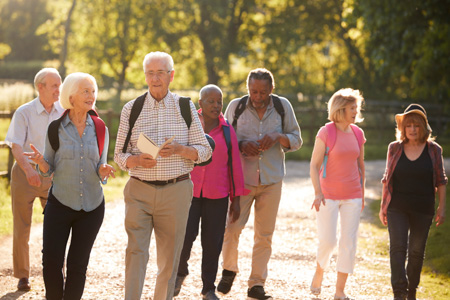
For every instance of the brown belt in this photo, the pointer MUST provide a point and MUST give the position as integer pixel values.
(164, 182)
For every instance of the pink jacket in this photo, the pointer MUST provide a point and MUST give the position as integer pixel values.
(213, 181)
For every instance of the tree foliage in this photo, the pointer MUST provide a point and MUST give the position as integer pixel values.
(409, 46)
(19, 29)
(386, 49)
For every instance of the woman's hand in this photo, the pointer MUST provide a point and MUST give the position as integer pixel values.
(383, 217)
(105, 171)
(317, 201)
(35, 156)
(440, 215)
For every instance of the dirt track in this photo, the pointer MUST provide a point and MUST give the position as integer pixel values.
(290, 269)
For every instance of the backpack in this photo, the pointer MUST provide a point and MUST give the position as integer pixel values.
(227, 135)
(100, 129)
(242, 105)
(331, 140)
(185, 109)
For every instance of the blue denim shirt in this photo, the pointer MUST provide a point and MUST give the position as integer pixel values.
(76, 181)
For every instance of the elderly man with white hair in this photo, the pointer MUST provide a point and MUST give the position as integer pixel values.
(28, 126)
(159, 192)
(75, 153)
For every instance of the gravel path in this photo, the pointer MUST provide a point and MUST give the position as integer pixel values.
(290, 270)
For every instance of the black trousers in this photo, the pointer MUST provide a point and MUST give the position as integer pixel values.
(213, 215)
(59, 222)
(408, 234)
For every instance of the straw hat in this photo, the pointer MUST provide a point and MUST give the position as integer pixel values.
(413, 109)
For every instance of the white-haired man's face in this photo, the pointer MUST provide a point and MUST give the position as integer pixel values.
(49, 89)
(158, 77)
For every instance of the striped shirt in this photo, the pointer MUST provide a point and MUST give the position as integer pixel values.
(161, 120)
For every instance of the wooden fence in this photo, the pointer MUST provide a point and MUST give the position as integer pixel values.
(378, 124)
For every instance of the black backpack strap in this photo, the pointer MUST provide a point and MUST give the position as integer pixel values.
(52, 131)
(185, 108)
(239, 110)
(134, 114)
(279, 108)
(227, 135)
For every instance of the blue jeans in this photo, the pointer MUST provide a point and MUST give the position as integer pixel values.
(213, 215)
(408, 233)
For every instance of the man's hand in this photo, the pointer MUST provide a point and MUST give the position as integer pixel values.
(269, 140)
(33, 177)
(171, 149)
(235, 209)
(250, 148)
(146, 160)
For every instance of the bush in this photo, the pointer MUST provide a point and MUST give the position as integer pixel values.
(20, 70)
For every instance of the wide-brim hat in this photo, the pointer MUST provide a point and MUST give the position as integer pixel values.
(413, 109)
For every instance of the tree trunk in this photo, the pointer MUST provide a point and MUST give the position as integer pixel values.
(63, 54)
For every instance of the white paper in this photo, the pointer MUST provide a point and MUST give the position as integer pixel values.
(146, 145)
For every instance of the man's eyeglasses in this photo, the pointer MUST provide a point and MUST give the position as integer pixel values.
(158, 74)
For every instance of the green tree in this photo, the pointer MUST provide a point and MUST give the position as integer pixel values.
(19, 28)
(109, 35)
(409, 46)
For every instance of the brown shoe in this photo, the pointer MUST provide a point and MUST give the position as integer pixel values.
(24, 284)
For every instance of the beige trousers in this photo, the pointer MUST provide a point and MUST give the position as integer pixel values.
(164, 210)
(22, 199)
(266, 199)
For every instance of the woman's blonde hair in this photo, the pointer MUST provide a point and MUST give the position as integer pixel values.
(413, 118)
(338, 102)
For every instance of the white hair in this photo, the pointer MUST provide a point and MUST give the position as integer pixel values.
(40, 76)
(159, 55)
(70, 87)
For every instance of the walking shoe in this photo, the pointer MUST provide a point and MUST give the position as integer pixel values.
(257, 293)
(210, 295)
(226, 282)
(178, 283)
(24, 285)
(399, 296)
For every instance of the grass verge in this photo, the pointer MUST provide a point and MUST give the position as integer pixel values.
(435, 278)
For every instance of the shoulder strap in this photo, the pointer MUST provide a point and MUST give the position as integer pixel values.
(185, 108)
(331, 135)
(52, 131)
(227, 135)
(100, 130)
(239, 110)
(242, 104)
(358, 133)
(279, 108)
(329, 144)
(134, 114)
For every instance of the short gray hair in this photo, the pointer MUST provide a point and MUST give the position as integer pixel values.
(261, 74)
(71, 85)
(207, 89)
(40, 76)
(159, 55)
